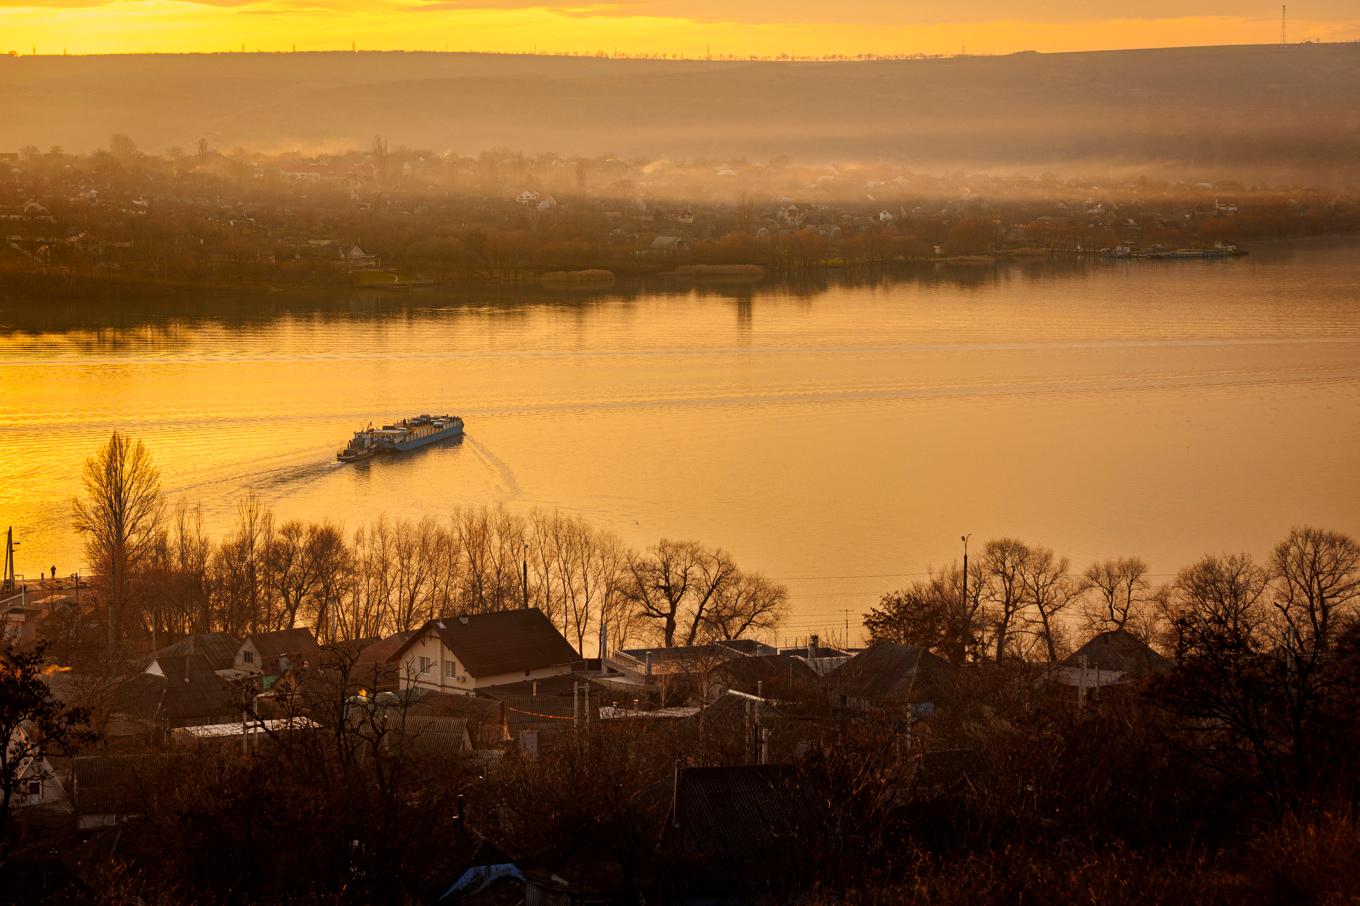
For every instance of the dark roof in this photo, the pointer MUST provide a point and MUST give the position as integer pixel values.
(773, 676)
(546, 703)
(489, 644)
(718, 651)
(383, 650)
(116, 784)
(738, 812)
(1118, 650)
(283, 641)
(748, 646)
(483, 716)
(425, 735)
(887, 672)
(218, 648)
(819, 651)
(186, 690)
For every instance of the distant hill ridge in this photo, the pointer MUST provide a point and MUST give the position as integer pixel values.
(1294, 108)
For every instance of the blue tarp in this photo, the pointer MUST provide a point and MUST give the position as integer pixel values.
(480, 877)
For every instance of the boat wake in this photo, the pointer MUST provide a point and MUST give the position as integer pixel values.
(494, 464)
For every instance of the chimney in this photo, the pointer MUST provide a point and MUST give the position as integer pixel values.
(649, 663)
(812, 646)
(604, 641)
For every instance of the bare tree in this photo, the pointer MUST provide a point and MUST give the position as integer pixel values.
(492, 543)
(1120, 596)
(365, 609)
(120, 518)
(1049, 590)
(674, 585)
(239, 571)
(415, 569)
(1003, 560)
(298, 558)
(1218, 603)
(1317, 577)
(748, 603)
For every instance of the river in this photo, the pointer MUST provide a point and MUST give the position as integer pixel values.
(839, 437)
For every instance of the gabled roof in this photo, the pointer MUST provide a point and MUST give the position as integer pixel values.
(283, 641)
(218, 648)
(1118, 650)
(176, 688)
(192, 689)
(384, 650)
(510, 641)
(887, 672)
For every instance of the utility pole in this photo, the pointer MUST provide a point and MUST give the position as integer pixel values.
(10, 545)
(965, 570)
(1284, 22)
(525, 576)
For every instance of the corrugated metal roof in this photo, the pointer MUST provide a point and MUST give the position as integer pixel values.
(738, 812)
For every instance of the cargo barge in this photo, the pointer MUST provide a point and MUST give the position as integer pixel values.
(404, 436)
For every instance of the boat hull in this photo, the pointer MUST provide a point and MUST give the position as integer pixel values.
(416, 443)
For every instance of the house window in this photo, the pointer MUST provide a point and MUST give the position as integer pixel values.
(35, 788)
(248, 657)
(448, 668)
(425, 665)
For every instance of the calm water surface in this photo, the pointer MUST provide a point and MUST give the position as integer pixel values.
(839, 440)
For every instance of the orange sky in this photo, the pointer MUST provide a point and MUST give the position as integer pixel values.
(691, 28)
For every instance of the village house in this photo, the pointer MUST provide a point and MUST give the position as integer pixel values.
(269, 654)
(37, 784)
(173, 691)
(1114, 658)
(360, 260)
(469, 653)
(893, 676)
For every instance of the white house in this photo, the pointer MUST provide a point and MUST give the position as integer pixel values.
(464, 654)
(37, 784)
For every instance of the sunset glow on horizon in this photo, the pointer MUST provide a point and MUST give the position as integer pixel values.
(648, 27)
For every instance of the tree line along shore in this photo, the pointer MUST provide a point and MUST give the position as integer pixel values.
(1014, 729)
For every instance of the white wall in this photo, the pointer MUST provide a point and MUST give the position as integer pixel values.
(431, 646)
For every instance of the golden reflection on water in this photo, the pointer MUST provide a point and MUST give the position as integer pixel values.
(841, 441)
